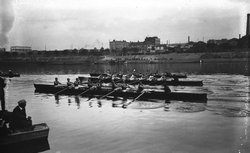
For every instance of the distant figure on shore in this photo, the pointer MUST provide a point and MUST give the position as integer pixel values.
(19, 119)
(2, 97)
(56, 82)
(10, 73)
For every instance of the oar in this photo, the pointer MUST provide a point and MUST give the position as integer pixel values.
(133, 82)
(108, 93)
(85, 91)
(125, 105)
(61, 91)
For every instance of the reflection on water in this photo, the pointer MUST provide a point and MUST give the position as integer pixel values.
(30, 146)
(92, 125)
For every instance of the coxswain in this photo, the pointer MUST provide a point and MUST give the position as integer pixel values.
(56, 82)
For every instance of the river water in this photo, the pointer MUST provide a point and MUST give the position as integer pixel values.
(78, 125)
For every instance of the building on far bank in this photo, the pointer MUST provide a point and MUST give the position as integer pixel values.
(118, 45)
(2, 50)
(20, 49)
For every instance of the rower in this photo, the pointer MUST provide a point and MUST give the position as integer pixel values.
(113, 85)
(99, 85)
(175, 79)
(167, 91)
(140, 88)
(56, 82)
(77, 82)
(69, 83)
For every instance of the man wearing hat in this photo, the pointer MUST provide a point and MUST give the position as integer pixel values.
(19, 119)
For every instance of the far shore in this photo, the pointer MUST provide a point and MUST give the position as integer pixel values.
(113, 59)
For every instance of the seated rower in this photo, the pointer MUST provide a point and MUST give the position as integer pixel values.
(99, 85)
(77, 83)
(19, 119)
(56, 82)
(151, 78)
(140, 87)
(133, 77)
(167, 90)
(69, 83)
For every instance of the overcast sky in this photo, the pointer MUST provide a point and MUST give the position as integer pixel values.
(64, 24)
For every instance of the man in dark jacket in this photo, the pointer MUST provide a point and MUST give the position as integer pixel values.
(19, 119)
(2, 99)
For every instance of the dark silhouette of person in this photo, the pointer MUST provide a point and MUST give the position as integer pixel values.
(2, 97)
(167, 91)
(19, 119)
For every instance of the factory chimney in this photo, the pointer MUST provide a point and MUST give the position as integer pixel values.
(247, 31)
(188, 39)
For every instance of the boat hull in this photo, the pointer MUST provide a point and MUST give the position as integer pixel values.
(182, 96)
(173, 74)
(40, 131)
(147, 82)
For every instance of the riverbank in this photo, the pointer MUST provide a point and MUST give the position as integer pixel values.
(112, 59)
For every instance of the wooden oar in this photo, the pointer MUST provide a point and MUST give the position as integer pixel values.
(108, 93)
(85, 91)
(134, 82)
(61, 91)
(125, 105)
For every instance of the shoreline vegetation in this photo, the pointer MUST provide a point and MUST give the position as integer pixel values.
(239, 56)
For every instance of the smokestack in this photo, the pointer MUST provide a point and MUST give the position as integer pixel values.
(247, 32)
(239, 36)
(188, 39)
(7, 18)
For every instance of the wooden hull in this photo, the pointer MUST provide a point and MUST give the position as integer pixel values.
(147, 82)
(182, 96)
(40, 131)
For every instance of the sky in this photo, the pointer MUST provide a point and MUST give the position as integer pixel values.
(67, 24)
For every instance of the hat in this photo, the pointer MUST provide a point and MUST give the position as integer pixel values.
(22, 101)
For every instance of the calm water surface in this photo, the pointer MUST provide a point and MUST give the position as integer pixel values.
(87, 125)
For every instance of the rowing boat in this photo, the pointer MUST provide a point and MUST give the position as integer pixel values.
(39, 131)
(177, 75)
(182, 96)
(147, 82)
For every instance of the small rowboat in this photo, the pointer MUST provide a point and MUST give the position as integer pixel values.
(39, 131)
(182, 96)
(148, 82)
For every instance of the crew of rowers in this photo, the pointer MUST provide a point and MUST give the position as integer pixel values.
(77, 83)
(139, 76)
